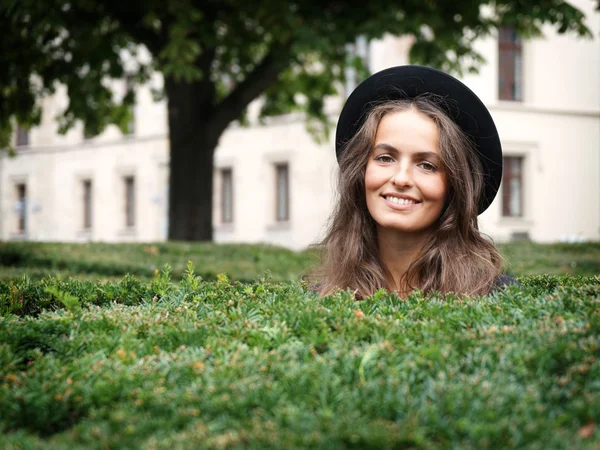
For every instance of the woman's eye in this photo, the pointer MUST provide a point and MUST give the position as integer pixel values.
(427, 166)
(384, 158)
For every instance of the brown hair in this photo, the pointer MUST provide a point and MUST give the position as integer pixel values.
(457, 257)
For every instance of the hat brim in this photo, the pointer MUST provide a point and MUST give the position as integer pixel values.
(462, 106)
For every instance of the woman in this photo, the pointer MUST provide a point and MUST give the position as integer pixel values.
(419, 159)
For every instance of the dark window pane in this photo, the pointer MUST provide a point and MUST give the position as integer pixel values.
(512, 187)
(129, 87)
(509, 65)
(21, 207)
(22, 136)
(87, 204)
(282, 192)
(130, 201)
(226, 195)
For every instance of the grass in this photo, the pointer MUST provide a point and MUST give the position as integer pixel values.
(243, 262)
(528, 258)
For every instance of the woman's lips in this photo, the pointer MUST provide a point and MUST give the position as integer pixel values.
(402, 204)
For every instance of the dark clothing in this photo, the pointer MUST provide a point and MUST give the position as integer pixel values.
(502, 281)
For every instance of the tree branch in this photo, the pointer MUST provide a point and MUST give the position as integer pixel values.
(131, 21)
(263, 76)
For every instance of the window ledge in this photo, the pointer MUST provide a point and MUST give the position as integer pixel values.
(225, 228)
(511, 103)
(515, 221)
(85, 233)
(280, 226)
(19, 237)
(128, 232)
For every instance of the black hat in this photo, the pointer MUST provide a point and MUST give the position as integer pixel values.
(461, 105)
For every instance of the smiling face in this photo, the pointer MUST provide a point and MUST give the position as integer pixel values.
(405, 182)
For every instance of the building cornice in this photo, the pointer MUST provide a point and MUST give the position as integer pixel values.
(284, 119)
(524, 108)
(87, 145)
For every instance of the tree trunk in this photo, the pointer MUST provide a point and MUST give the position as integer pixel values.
(195, 126)
(193, 138)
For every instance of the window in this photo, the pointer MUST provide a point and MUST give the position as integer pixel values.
(129, 87)
(21, 207)
(509, 65)
(512, 187)
(87, 135)
(357, 53)
(226, 195)
(22, 136)
(129, 202)
(87, 204)
(282, 211)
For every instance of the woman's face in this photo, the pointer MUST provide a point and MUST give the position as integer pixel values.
(404, 181)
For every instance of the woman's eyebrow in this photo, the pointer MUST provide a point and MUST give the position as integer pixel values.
(391, 148)
(386, 147)
(426, 155)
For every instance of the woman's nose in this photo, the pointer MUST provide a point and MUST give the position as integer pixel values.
(403, 177)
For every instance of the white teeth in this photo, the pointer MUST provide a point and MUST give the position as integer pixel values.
(401, 201)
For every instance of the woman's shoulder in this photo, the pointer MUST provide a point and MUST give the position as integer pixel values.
(502, 281)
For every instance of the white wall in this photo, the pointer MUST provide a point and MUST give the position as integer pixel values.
(55, 196)
(252, 154)
(562, 175)
(556, 128)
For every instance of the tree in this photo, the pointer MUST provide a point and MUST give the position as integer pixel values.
(217, 56)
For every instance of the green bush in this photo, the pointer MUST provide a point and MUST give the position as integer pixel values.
(221, 364)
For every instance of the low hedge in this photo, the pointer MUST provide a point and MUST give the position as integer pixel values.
(222, 364)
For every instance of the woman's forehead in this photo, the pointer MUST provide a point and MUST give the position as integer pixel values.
(408, 130)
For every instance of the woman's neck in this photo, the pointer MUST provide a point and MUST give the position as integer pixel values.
(397, 251)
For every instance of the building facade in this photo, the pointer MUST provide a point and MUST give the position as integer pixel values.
(279, 187)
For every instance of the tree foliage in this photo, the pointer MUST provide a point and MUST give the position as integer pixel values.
(230, 51)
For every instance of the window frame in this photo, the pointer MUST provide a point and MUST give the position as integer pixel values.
(510, 73)
(130, 201)
(508, 175)
(227, 200)
(87, 197)
(359, 49)
(21, 195)
(22, 136)
(282, 199)
(130, 87)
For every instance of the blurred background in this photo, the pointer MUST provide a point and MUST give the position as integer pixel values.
(213, 121)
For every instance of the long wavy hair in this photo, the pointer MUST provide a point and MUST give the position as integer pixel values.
(456, 258)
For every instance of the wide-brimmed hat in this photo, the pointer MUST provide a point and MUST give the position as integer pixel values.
(459, 103)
